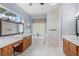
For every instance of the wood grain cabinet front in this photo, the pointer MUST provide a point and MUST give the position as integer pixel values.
(66, 47)
(27, 42)
(18, 46)
(70, 49)
(0, 52)
(78, 50)
(73, 49)
(29, 38)
(7, 51)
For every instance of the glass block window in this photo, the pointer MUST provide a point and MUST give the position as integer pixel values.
(39, 28)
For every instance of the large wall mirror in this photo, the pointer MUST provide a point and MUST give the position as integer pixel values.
(77, 25)
(11, 23)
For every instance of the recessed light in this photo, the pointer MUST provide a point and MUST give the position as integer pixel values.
(53, 4)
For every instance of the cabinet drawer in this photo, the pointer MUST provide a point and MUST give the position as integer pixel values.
(73, 49)
(7, 48)
(17, 43)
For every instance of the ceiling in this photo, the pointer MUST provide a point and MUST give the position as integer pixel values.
(38, 9)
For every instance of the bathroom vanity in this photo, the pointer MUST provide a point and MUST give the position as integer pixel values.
(71, 45)
(19, 44)
(14, 35)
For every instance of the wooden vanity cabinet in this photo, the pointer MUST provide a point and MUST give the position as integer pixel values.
(27, 41)
(7, 51)
(66, 47)
(73, 49)
(0, 52)
(29, 38)
(70, 49)
(18, 46)
(78, 50)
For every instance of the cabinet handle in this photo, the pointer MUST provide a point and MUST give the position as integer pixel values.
(72, 45)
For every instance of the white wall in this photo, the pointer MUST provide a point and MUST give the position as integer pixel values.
(39, 17)
(68, 20)
(77, 7)
(53, 23)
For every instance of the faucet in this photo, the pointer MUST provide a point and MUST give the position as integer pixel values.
(37, 34)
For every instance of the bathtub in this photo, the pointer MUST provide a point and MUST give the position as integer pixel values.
(39, 40)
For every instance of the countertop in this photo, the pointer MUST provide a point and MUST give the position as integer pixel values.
(4, 41)
(72, 38)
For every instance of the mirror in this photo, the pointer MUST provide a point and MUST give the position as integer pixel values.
(77, 25)
(11, 23)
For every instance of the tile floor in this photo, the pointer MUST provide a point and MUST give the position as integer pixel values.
(43, 51)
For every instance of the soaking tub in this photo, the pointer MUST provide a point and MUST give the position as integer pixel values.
(40, 39)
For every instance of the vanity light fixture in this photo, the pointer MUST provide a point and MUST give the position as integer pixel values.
(77, 14)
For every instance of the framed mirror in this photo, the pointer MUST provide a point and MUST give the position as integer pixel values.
(77, 25)
(11, 23)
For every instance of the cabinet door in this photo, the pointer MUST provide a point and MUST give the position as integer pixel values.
(73, 49)
(0, 52)
(7, 51)
(29, 38)
(78, 50)
(66, 47)
(25, 44)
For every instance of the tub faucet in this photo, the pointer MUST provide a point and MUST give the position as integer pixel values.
(37, 35)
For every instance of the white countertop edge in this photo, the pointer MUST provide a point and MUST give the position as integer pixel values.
(4, 41)
(72, 38)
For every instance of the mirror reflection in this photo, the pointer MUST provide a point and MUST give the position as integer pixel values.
(11, 23)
